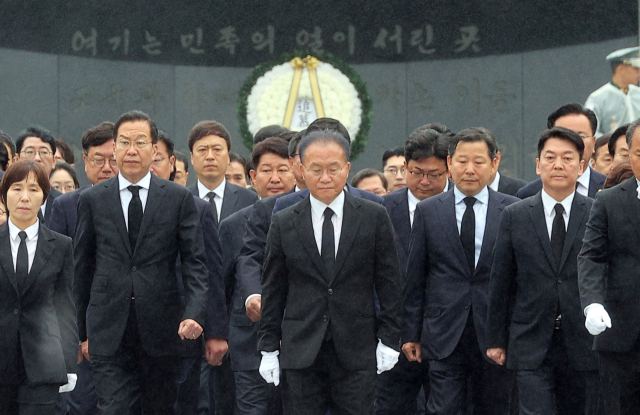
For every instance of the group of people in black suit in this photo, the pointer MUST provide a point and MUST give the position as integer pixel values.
(309, 296)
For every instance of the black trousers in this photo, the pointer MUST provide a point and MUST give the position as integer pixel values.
(222, 388)
(465, 382)
(555, 387)
(130, 372)
(255, 396)
(398, 388)
(619, 379)
(327, 385)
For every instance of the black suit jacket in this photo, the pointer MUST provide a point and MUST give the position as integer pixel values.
(397, 204)
(440, 288)
(40, 318)
(510, 185)
(64, 213)
(609, 262)
(296, 279)
(235, 198)
(109, 270)
(525, 276)
(596, 182)
(295, 197)
(53, 194)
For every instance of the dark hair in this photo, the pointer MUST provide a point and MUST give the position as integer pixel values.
(619, 132)
(36, 131)
(471, 135)
(4, 157)
(273, 145)
(563, 134)
(19, 171)
(620, 173)
(136, 115)
(66, 150)
(184, 159)
(325, 123)
(324, 137)
(295, 142)
(630, 130)
(573, 109)
(268, 131)
(66, 167)
(97, 136)
(235, 157)
(441, 128)
(601, 141)
(426, 143)
(6, 139)
(168, 142)
(205, 128)
(394, 152)
(365, 174)
(288, 135)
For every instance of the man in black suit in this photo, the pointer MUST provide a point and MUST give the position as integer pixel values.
(272, 177)
(445, 296)
(535, 320)
(609, 285)
(502, 183)
(99, 164)
(130, 231)
(38, 144)
(326, 343)
(426, 176)
(582, 121)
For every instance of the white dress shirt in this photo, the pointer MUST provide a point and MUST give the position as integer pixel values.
(480, 210)
(583, 182)
(549, 204)
(317, 219)
(43, 208)
(31, 241)
(496, 182)
(126, 195)
(413, 201)
(203, 191)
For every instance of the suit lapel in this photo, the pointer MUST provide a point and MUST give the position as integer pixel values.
(576, 216)
(115, 209)
(539, 223)
(304, 228)
(44, 249)
(404, 224)
(447, 213)
(6, 259)
(154, 200)
(492, 223)
(352, 218)
(228, 201)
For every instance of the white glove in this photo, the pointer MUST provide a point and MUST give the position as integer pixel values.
(597, 319)
(72, 378)
(386, 357)
(270, 367)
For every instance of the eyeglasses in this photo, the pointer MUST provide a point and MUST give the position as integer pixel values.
(99, 163)
(394, 170)
(66, 188)
(430, 176)
(125, 144)
(31, 153)
(158, 160)
(584, 136)
(317, 173)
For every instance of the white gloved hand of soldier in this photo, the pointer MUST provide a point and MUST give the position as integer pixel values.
(270, 367)
(386, 357)
(72, 378)
(597, 320)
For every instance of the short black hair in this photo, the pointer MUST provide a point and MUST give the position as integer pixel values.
(630, 130)
(136, 115)
(295, 142)
(6, 139)
(471, 135)
(19, 171)
(619, 132)
(573, 109)
(601, 141)
(184, 159)
(66, 167)
(66, 150)
(425, 143)
(4, 157)
(269, 131)
(271, 145)
(326, 123)
(563, 134)
(235, 157)
(208, 127)
(168, 142)
(36, 131)
(441, 128)
(97, 136)
(325, 137)
(365, 174)
(394, 152)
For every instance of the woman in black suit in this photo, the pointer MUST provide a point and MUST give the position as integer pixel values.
(39, 339)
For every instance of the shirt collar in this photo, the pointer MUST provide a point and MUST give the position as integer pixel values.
(549, 203)
(337, 205)
(496, 182)
(482, 197)
(145, 182)
(31, 231)
(585, 178)
(219, 191)
(638, 188)
(413, 201)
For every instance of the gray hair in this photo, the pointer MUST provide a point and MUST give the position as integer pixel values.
(325, 136)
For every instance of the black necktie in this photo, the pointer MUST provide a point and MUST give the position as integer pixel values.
(135, 215)
(328, 241)
(214, 209)
(22, 261)
(558, 232)
(468, 233)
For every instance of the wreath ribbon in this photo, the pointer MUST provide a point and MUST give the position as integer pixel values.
(311, 63)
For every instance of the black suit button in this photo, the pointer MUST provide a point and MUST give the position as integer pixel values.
(134, 269)
(466, 307)
(324, 318)
(559, 281)
(15, 311)
(330, 291)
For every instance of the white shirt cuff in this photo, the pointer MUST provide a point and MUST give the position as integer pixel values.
(249, 298)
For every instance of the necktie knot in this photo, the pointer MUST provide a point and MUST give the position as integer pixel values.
(134, 190)
(559, 208)
(211, 196)
(22, 235)
(469, 201)
(328, 213)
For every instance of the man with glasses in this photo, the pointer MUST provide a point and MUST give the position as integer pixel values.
(130, 231)
(583, 121)
(393, 168)
(38, 144)
(427, 175)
